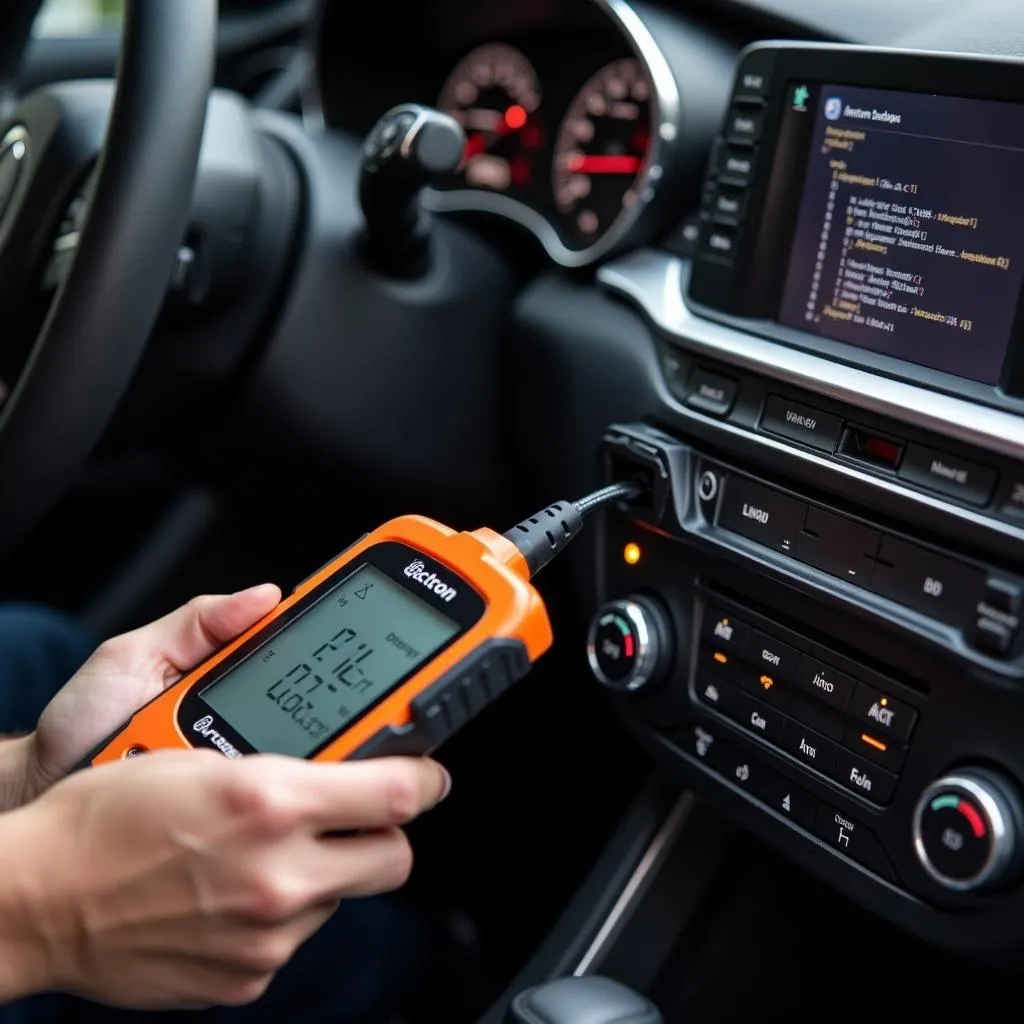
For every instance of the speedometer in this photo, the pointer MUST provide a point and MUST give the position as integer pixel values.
(602, 150)
(494, 93)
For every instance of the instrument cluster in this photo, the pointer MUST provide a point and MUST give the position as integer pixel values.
(569, 159)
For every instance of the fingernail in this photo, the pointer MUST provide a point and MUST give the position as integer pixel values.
(446, 786)
(255, 589)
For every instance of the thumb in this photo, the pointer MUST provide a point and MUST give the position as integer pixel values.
(195, 630)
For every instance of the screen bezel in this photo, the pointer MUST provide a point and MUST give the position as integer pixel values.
(752, 298)
(466, 609)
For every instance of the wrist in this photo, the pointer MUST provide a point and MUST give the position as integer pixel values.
(25, 950)
(17, 760)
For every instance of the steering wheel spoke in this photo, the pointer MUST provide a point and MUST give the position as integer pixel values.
(140, 142)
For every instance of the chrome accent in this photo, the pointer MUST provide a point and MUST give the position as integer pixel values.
(641, 671)
(1000, 822)
(665, 105)
(654, 281)
(637, 883)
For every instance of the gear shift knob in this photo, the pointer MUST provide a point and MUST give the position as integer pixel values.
(409, 147)
(587, 1000)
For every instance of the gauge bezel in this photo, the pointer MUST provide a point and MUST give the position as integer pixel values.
(664, 107)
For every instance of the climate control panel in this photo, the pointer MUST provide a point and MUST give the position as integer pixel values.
(827, 678)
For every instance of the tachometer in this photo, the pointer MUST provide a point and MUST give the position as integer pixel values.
(602, 149)
(494, 93)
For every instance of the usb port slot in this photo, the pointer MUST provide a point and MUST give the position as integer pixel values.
(869, 448)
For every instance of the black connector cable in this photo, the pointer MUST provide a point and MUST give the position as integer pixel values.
(544, 535)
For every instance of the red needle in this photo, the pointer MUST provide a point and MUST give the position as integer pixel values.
(583, 163)
(511, 121)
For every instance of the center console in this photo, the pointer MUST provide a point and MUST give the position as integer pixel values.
(816, 621)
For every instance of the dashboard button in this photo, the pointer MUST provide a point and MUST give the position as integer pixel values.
(809, 746)
(801, 423)
(765, 687)
(817, 716)
(758, 718)
(769, 656)
(948, 474)
(729, 206)
(932, 584)
(998, 618)
(882, 714)
(760, 514)
(741, 771)
(863, 777)
(736, 167)
(880, 749)
(719, 240)
(835, 688)
(852, 839)
(1013, 495)
(838, 546)
(992, 636)
(705, 746)
(754, 76)
(796, 804)
(720, 695)
(744, 126)
(725, 631)
(711, 393)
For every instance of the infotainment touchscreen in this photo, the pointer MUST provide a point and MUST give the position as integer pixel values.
(909, 233)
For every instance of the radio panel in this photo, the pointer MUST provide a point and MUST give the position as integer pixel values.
(850, 683)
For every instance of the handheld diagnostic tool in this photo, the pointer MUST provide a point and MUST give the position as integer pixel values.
(388, 649)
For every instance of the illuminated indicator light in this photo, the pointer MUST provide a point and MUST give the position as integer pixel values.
(515, 116)
(884, 701)
(631, 553)
(945, 803)
(720, 657)
(884, 451)
(973, 817)
(628, 644)
(872, 742)
(767, 682)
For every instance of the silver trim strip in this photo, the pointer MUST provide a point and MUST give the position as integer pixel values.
(654, 280)
(642, 876)
(665, 105)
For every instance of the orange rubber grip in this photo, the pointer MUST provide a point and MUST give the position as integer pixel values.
(514, 613)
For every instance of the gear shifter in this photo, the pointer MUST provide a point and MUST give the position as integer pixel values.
(586, 1000)
(409, 147)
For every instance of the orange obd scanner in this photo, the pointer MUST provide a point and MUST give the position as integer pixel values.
(388, 649)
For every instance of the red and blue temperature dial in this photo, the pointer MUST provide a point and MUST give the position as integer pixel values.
(967, 830)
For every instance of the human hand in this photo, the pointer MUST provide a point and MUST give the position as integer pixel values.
(187, 879)
(128, 671)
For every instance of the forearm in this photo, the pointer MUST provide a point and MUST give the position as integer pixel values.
(15, 761)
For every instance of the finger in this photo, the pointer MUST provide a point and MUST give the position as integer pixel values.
(260, 949)
(359, 865)
(195, 630)
(357, 794)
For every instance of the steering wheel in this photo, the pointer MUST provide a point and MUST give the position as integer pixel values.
(103, 312)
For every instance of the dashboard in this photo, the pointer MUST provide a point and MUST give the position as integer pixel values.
(803, 330)
(581, 127)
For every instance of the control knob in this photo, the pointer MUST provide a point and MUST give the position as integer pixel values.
(967, 828)
(629, 645)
